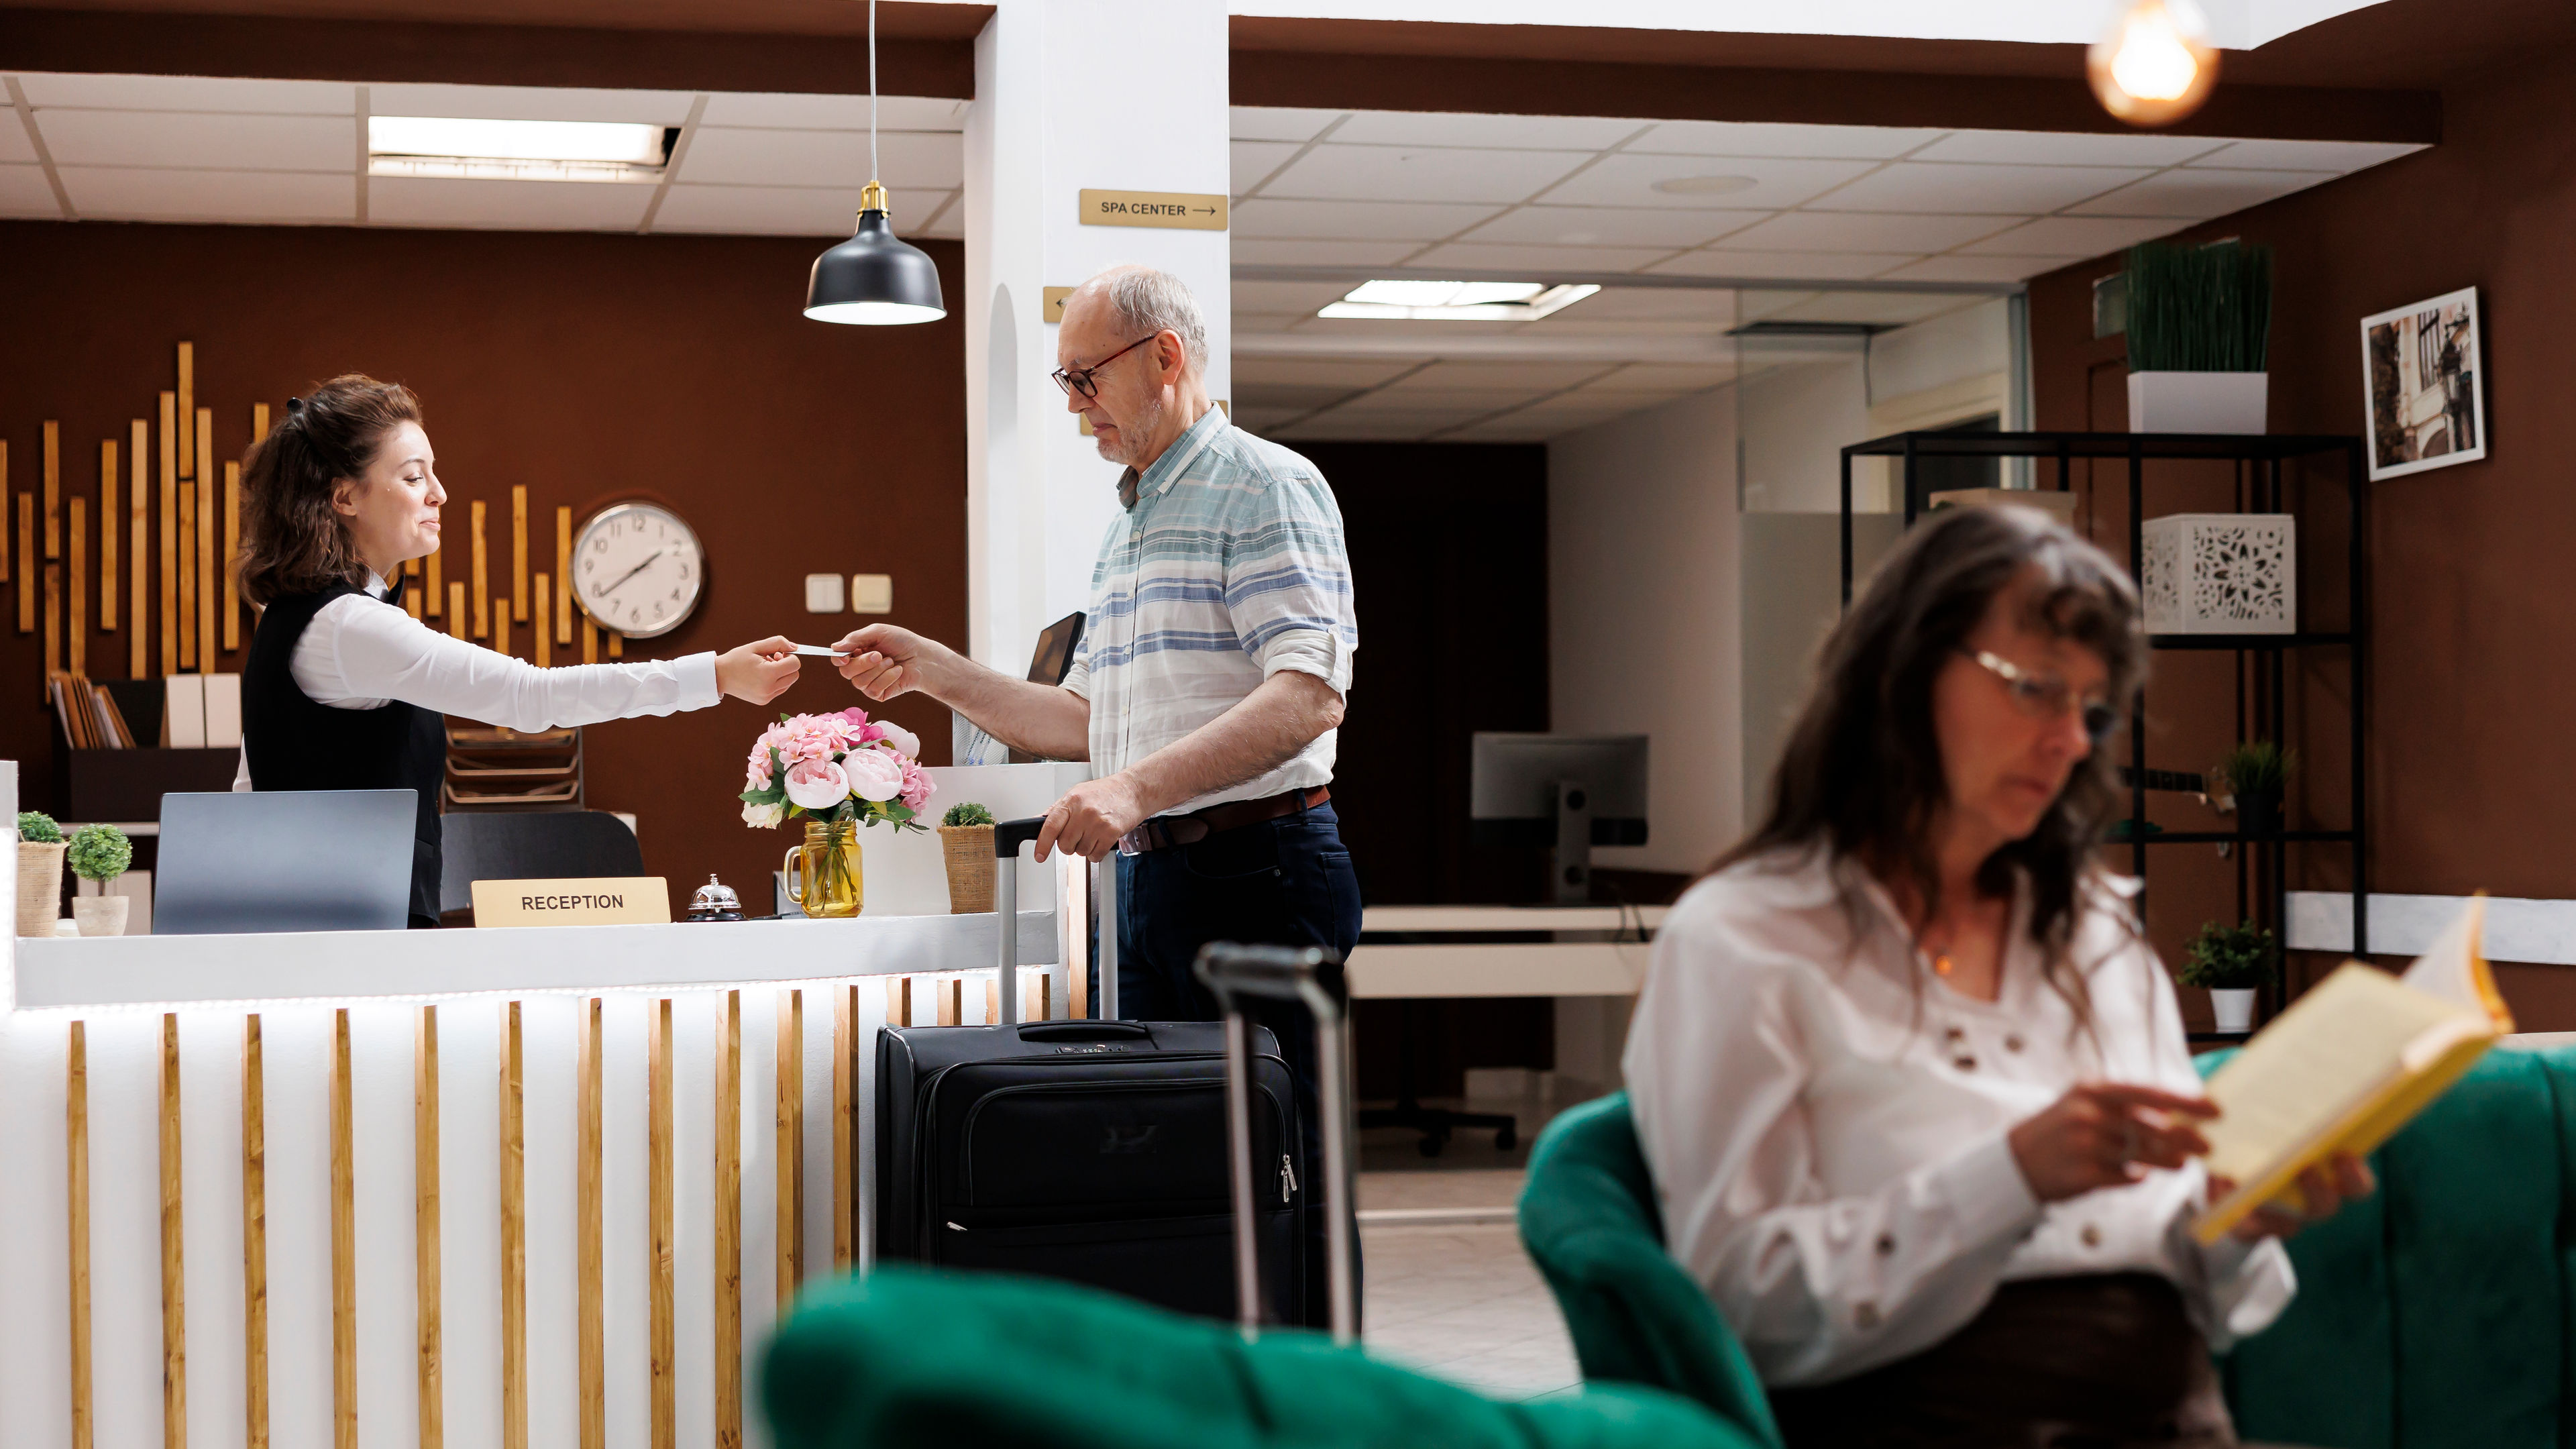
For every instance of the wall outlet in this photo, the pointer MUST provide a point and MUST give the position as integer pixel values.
(822, 593)
(871, 593)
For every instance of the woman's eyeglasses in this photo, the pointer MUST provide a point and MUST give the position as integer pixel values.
(2044, 696)
(1083, 379)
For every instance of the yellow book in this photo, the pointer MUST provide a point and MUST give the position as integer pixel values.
(2349, 1063)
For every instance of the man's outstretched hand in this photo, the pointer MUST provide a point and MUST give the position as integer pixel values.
(883, 661)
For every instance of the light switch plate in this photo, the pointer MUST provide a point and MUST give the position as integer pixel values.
(871, 593)
(822, 593)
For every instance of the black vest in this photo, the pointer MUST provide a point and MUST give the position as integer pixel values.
(295, 743)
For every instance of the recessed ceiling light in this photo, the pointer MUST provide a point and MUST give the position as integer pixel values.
(466, 147)
(1455, 301)
(1705, 185)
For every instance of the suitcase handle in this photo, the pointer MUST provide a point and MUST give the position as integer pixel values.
(1010, 835)
(1084, 1029)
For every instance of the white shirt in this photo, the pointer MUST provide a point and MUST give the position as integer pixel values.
(360, 652)
(1825, 1121)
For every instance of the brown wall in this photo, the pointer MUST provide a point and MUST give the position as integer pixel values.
(2471, 777)
(588, 368)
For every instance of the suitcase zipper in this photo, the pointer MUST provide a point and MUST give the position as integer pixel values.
(1287, 1179)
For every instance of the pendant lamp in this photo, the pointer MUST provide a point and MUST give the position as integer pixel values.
(874, 278)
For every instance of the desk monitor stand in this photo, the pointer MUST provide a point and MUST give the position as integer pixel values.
(1571, 861)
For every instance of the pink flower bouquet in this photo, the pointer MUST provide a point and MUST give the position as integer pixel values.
(842, 767)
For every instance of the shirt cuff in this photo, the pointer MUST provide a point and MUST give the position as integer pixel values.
(1317, 652)
(1987, 1191)
(697, 676)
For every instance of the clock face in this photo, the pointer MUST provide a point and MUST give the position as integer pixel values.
(637, 569)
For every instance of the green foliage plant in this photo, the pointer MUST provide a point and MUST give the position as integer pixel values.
(35, 827)
(2230, 958)
(967, 812)
(2258, 767)
(2199, 308)
(100, 853)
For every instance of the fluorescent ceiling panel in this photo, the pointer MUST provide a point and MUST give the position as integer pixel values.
(530, 103)
(1993, 190)
(619, 143)
(173, 141)
(1418, 174)
(1630, 180)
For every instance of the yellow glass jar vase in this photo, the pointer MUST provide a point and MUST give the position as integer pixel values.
(823, 875)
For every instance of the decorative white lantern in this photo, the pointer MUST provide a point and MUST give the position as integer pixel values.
(2221, 573)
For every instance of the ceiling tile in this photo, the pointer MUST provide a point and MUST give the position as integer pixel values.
(1431, 336)
(1277, 123)
(1893, 309)
(1541, 261)
(1300, 298)
(1250, 322)
(1253, 160)
(1396, 173)
(1443, 128)
(817, 211)
(2201, 192)
(833, 113)
(2308, 155)
(1312, 372)
(1778, 266)
(1652, 304)
(1296, 398)
(1631, 226)
(1509, 428)
(23, 192)
(1764, 138)
(1341, 425)
(1249, 252)
(530, 103)
(231, 142)
(1662, 378)
(1260, 420)
(915, 159)
(2069, 148)
(190, 93)
(1858, 231)
(1629, 180)
(1995, 190)
(1464, 402)
(940, 216)
(1978, 269)
(1530, 377)
(1423, 221)
(14, 145)
(146, 194)
(1765, 302)
(507, 205)
(2088, 236)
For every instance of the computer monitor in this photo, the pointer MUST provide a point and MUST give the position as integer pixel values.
(284, 860)
(1566, 792)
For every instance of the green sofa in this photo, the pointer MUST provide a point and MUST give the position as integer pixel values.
(2439, 1311)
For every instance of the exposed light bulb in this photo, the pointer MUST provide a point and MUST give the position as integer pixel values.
(2157, 65)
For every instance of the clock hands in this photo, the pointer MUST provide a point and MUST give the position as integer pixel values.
(630, 573)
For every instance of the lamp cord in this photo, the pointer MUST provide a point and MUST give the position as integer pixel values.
(872, 91)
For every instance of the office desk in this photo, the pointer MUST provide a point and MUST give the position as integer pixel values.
(1457, 951)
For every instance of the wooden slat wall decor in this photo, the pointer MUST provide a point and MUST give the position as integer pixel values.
(187, 574)
(658, 1192)
(53, 479)
(437, 595)
(169, 533)
(590, 1310)
(501, 627)
(791, 1145)
(482, 586)
(254, 1238)
(232, 555)
(53, 617)
(344, 1246)
(174, 1278)
(187, 399)
(206, 540)
(109, 521)
(5, 550)
(138, 509)
(411, 587)
(544, 632)
(616, 644)
(589, 635)
(457, 618)
(519, 554)
(426, 1274)
(728, 1225)
(514, 1235)
(26, 563)
(563, 571)
(845, 1106)
(258, 421)
(79, 637)
(76, 1251)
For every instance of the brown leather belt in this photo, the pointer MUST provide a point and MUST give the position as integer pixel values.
(1164, 831)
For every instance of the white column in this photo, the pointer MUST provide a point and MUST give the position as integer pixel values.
(1123, 95)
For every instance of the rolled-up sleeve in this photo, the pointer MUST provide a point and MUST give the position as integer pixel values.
(1287, 580)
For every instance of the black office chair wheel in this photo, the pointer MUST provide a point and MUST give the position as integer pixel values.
(1507, 1138)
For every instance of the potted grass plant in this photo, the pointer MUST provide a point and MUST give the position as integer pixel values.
(40, 873)
(99, 854)
(2232, 963)
(2199, 325)
(966, 837)
(2258, 776)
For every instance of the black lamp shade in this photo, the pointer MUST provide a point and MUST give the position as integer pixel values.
(874, 278)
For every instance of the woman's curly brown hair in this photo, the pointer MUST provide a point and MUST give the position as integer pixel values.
(293, 541)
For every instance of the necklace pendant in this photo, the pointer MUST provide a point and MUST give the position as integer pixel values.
(1941, 964)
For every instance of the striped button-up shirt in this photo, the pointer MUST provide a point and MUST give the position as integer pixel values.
(1225, 567)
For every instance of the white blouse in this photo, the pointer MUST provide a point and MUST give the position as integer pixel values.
(361, 652)
(1825, 1120)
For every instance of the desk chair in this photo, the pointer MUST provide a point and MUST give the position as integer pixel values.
(540, 845)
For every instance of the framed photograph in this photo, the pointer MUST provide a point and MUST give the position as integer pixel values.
(2423, 386)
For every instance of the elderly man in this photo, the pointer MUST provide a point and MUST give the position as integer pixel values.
(1210, 678)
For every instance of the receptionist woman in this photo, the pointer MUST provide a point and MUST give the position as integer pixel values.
(343, 689)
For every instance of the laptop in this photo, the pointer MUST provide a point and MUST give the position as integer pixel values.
(284, 860)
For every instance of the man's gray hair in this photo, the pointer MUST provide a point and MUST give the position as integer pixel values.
(1148, 300)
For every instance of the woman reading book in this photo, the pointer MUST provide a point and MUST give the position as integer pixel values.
(1915, 1094)
(343, 689)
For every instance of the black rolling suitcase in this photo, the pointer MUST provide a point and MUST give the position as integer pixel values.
(1093, 1151)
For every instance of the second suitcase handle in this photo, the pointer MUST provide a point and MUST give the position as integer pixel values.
(1008, 837)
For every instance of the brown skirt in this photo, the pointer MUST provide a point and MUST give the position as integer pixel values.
(2108, 1361)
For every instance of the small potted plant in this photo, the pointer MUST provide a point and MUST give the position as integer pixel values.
(966, 835)
(2232, 963)
(2257, 775)
(2199, 328)
(40, 873)
(99, 854)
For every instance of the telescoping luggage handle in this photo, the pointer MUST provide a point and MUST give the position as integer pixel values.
(1312, 976)
(1008, 837)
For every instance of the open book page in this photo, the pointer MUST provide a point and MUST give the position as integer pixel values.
(2456, 970)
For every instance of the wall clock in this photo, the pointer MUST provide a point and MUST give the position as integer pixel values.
(638, 568)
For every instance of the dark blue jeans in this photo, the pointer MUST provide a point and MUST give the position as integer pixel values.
(1285, 882)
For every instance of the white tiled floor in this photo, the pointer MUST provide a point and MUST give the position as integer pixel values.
(1461, 1301)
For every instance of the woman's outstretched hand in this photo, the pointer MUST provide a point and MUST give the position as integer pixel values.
(758, 672)
(2106, 1134)
(2323, 1188)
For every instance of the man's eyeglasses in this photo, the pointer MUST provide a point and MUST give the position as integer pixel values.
(1082, 379)
(2044, 696)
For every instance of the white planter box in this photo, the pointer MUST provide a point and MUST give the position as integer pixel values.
(2197, 402)
(2221, 573)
